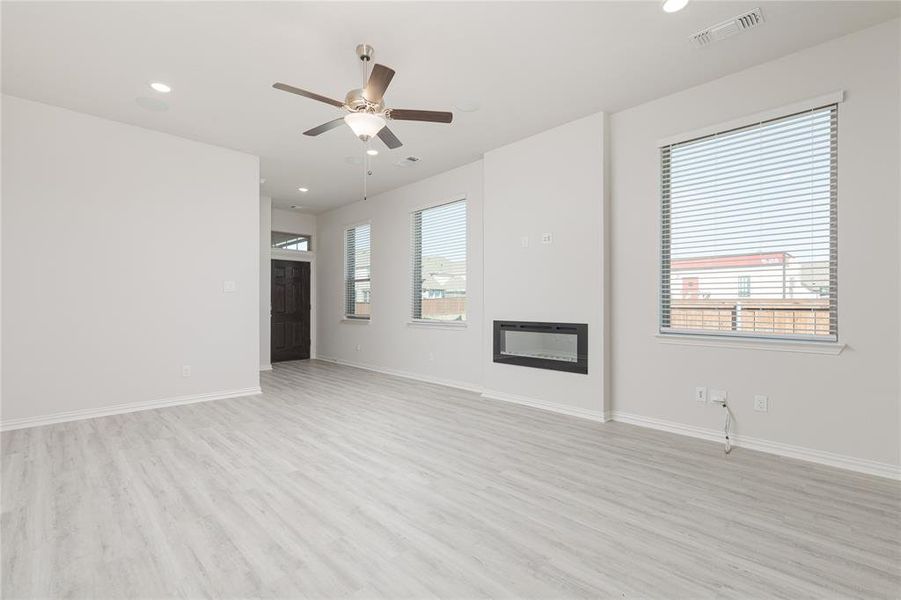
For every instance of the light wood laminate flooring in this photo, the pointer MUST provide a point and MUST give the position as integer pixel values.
(343, 483)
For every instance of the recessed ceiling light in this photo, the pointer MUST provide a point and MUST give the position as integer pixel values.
(303, 189)
(372, 152)
(672, 6)
(159, 86)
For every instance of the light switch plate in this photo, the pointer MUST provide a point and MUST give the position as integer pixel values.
(701, 394)
(524, 241)
(546, 238)
(229, 286)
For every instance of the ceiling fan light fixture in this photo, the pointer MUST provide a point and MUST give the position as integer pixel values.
(672, 6)
(365, 125)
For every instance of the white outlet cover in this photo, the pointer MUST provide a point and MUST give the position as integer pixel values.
(186, 371)
(761, 403)
(229, 286)
(524, 241)
(718, 395)
(546, 238)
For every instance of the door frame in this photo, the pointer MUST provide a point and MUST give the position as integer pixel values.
(291, 255)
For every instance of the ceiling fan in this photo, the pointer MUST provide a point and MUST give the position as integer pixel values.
(366, 114)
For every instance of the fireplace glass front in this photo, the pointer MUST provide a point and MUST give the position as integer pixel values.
(557, 346)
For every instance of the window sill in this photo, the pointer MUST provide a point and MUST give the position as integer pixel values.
(800, 346)
(438, 324)
(364, 321)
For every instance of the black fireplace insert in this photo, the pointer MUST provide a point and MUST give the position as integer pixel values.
(557, 346)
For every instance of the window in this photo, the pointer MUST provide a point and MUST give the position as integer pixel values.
(290, 241)
(749, 230)
(357, 277)
(439, 263)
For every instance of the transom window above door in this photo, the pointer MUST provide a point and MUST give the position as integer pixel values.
(291, 241)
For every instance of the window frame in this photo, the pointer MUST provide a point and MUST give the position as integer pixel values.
(419, 321)
(346, 279)
(306, 236)
(738, 339)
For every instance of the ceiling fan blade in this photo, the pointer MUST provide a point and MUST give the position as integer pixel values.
(290, 88)
(432, 116)
(378, 83)
(325, 127)
(387, 136)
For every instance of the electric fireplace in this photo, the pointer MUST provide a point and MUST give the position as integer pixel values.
(557, 346)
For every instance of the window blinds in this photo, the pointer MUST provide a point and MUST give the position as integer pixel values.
(439, 263)
(749, 230)
(357, 276)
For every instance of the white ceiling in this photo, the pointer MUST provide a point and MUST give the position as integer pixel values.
(528, 65)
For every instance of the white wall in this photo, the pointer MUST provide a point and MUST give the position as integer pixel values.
(116, 244)
(553, 183)
(846, 404)
(291, 221)
(265, 281)
(388, 341)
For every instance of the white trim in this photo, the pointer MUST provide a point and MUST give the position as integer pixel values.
(265, 367)
(751, 343)
(295, 255)
(437, 324)
(356, 320)
(118, 409)
(831, 459)
(870, 467)
(462, 385)
(766, 115)
(454, 198)
(582, 413)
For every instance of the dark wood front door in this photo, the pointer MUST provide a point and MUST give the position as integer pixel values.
(290, 310)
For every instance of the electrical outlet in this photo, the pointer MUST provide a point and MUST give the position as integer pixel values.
(358, 347)
(701, 394)
(524, 241)
(431, 356)
(761, 403)
(229, 286)
(718, 396)
(186, 371)
(546, 238)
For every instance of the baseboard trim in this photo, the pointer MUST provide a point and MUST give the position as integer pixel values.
(118, 409)
(265, 367)
(405, 374)
(841, 461)
(583, 413)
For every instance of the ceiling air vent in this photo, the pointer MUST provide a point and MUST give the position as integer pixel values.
(408, 161)
(727, 28)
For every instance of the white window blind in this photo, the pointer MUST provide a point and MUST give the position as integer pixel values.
(357, 275)
(749, 230)
(439, 263)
